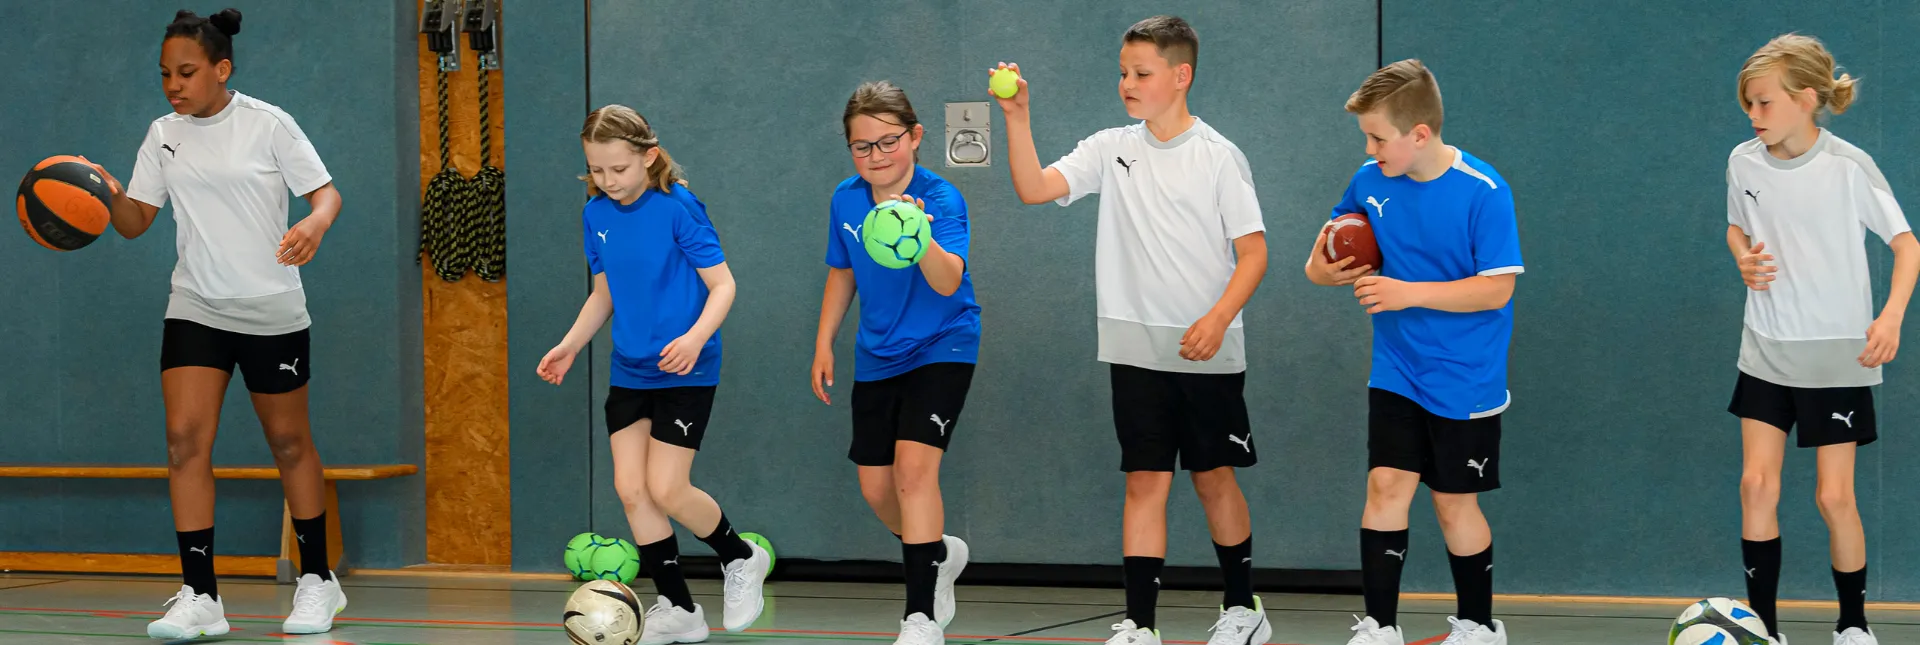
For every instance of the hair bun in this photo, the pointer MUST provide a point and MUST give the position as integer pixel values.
(227, 21)
(183, 14)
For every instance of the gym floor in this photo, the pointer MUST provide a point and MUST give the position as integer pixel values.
(407, 610)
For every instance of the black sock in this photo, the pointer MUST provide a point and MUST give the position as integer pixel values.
(311, 534)
(663, 564)
(1143, 588)
(922, 564)
(196, 561)
(1236, 567)
(1473, 586)
(1763, 579)
(1382, 554)
(1853, 599)
(727, 544)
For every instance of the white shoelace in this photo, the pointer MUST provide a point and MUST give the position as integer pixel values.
(918, 631)
(1129, 632)
(184, 594)
(309, 599)
(737, 580)
(1459, 632)
(1367, 635)
(1228, 617)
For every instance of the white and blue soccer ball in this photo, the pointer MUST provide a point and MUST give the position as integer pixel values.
(1718, 621)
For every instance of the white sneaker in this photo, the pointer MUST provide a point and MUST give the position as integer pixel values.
(1467, 632)
(315, 603)
(745, 596)
(666, 623)
(943, 605)
(1127, 633)
(1853, 636)
(1369, 632)
(191, 616)
(920, 630)
(1242, 626)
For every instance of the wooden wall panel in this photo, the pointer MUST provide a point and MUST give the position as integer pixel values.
(469, 508)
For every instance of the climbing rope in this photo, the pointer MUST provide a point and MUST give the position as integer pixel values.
(488, 192)
(441, 210)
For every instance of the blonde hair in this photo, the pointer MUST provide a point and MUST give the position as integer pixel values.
(1405, 92)
(1803, 63)
(621, 123)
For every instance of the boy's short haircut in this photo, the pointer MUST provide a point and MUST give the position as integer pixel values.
(1171, 35)
(1405, 92)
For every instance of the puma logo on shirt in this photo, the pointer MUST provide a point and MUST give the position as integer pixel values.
(686, 429)
(943, 424)
(1753, 195)
(1125, 164)
(1479, 466)
(1379, 207)
(171, 150)
(852, 230)
(1846, 419)
(603, 236)
(295, 367)
(1242, 442)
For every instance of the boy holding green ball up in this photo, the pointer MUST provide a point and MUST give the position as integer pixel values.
(1180, 249)
(918, 342)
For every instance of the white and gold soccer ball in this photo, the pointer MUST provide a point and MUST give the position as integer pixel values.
(603, 612)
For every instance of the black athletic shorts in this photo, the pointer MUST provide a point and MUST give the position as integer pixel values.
(270, 364)
(1450, 455)
(1826, 415)
(1201, 419)
(922, 405)
(679, 414)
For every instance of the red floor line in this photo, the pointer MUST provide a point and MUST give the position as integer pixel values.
(1430, 640)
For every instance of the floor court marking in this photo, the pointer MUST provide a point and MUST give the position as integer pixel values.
(756, 634)
(32, 584)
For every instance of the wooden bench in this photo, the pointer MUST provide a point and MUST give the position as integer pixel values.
(283, 567)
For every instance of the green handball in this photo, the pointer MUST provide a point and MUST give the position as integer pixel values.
(579, 550)
(619, 562)
(896, 234)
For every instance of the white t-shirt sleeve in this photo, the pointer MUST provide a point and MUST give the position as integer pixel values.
(299, 163)
(1083, 168)
(1736, 208)
(1234, 196)
(1876, 207)
(149, 184)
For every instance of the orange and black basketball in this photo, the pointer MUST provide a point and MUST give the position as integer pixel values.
(64, 204)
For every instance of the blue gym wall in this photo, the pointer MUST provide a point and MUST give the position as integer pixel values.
(81, 381)
(1611, 122)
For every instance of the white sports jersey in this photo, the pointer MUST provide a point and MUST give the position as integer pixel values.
(1810, 325)
(1169, 213)
(229, 176)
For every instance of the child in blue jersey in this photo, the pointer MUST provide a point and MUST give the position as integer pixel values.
(658, 271)
(1442, 317)
(918, 342)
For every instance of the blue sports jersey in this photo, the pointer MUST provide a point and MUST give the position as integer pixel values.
(652, 251)
(904, 323)
(1456, 226)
